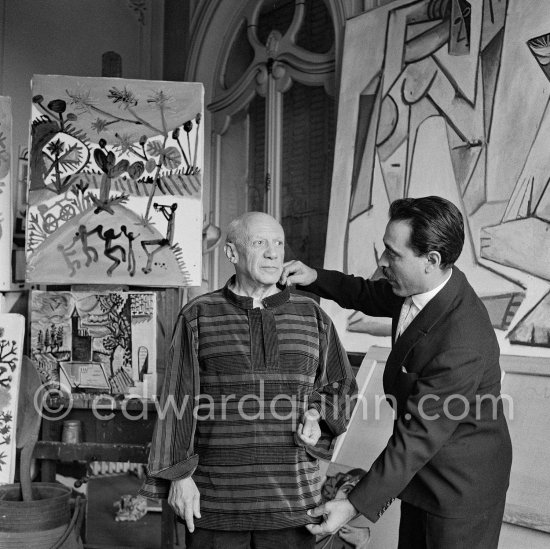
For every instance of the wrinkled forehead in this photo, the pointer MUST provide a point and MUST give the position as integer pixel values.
(262, 226)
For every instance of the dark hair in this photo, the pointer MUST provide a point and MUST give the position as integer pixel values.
(436, 226)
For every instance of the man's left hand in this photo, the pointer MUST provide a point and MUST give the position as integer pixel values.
(309, 431)
(336, 513)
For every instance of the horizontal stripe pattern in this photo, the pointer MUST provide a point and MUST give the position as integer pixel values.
(250, 498)
(256, 371)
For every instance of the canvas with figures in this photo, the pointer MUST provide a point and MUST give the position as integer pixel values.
(115, 182)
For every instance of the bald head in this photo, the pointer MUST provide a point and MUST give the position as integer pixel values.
(255, 244)
(239, 230)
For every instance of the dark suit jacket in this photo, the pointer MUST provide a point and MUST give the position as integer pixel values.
(450, 451)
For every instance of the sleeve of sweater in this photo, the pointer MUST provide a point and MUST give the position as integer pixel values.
(172, 454)
(334, 391)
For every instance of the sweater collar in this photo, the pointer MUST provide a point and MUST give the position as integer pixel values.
(244, 302)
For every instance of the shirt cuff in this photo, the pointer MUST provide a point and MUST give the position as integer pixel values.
(317, 408)
(183, 469)
(155, 488)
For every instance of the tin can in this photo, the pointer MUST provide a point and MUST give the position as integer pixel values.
(72, 431)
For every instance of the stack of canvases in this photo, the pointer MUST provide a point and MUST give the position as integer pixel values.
(114, 200)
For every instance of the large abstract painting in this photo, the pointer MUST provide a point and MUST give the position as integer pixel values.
(12, 330)
(5, 192)
(115, 182)
(429, 104)
(95, 342)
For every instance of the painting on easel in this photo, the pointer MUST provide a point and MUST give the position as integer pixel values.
(115, 183)
(5, 193)
(95, 342)
(12, 330)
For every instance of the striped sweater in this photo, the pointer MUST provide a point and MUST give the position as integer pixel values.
(238, 381)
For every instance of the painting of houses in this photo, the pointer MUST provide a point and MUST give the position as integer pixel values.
(95, 342)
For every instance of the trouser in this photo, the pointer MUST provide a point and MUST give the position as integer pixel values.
(282, 538)
(419, 529)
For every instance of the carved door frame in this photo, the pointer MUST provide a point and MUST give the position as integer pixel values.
(275, 65)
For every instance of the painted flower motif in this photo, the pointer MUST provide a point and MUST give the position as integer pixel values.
(82, 186)
(58, 106)
(161, 100)
(125, 97)
(81, 99)
(125, 142)
(56, 147)
(100, 125)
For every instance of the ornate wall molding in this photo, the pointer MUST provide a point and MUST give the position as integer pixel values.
(280, 57)
(214, 25)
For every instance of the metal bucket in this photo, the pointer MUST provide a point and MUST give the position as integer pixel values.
(43, 523)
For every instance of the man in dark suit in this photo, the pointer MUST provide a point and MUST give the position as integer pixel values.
(448, 459)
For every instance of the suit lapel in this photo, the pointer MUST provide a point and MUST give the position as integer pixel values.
(422, 324)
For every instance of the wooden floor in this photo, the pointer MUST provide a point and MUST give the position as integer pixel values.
(104, 532)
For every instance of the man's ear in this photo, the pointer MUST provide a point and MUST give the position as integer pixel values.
(230, 252)
(433, 261)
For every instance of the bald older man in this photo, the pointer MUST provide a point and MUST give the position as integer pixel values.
(257, 388)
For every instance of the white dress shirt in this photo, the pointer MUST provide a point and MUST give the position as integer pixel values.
(414, 304)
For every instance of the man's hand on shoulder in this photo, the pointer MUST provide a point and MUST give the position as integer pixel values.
(184, 498)
(295, 272)
(309, 431)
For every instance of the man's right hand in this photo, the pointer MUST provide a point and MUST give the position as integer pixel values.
(295, 272)
(184, 498)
